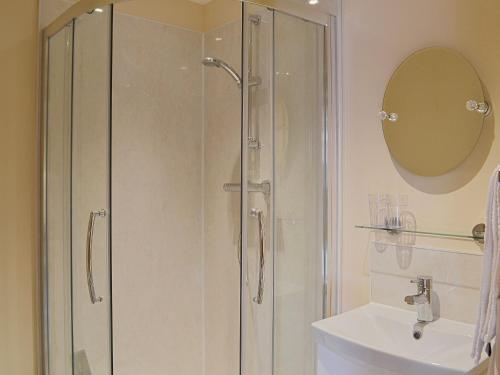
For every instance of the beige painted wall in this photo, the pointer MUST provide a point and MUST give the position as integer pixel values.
(51, 9)
(18, 186)
(377, 37)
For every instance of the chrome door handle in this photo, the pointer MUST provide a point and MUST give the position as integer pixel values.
(260, 289)
(90, 238)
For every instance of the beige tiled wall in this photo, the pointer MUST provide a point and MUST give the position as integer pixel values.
(456, 278)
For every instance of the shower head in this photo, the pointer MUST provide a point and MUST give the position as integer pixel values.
(217, 63)
(211, 61)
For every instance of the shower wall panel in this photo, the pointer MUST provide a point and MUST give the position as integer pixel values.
(157, 198)
(176, 141)
(222, 210)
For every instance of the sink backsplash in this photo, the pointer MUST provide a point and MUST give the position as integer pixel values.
(456, 278)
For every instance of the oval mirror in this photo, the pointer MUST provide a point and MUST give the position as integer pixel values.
(427, 126)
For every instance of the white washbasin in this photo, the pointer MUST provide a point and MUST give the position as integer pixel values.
(377, 339)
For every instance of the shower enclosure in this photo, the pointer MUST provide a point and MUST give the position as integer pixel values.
(186, 194)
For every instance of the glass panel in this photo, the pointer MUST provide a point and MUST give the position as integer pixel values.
(58, 208)
(90, 194)
(257, 215)
(299, 170)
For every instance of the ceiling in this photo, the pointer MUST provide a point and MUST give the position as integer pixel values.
(203, 2)
(327, 6)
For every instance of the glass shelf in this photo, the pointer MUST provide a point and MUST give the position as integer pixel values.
(478, 237)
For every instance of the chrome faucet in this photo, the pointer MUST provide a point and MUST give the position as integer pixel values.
(423, 298)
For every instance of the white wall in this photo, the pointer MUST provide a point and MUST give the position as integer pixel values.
(377, 36)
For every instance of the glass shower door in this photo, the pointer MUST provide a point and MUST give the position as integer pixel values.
(284, 199)
(300, 187)
(77, 210)
(77, 174)
(57, 259)
(90, 218)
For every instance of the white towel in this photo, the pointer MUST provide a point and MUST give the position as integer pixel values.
(486, 321)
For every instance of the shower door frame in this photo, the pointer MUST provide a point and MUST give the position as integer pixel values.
(330, 17)
(68, 17)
